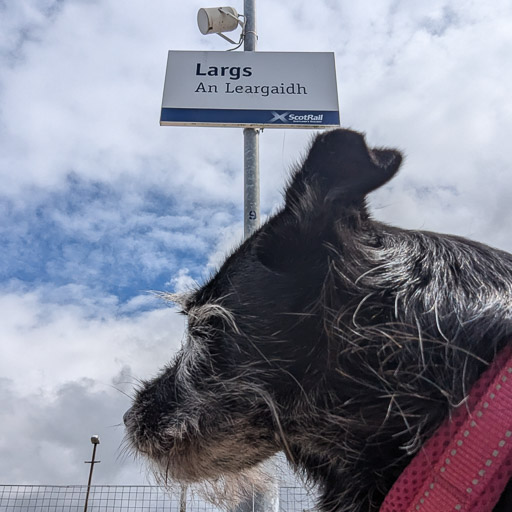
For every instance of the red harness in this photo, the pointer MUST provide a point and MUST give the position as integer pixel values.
(467, 463)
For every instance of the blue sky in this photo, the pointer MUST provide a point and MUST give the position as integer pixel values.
(99, 205)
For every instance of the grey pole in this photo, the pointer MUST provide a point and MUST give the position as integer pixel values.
(259, 501)
(251, 139)
(183, 498)
(95, 440)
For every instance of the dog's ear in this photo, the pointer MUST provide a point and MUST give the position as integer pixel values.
(339, 171)
(331, 184)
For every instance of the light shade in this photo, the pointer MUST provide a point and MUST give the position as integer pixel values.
(214, 20)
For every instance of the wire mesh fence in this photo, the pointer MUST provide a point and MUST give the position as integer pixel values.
(130, 498)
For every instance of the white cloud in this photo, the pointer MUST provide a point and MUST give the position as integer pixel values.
(46, 441)
(51, 343)
(68, 368)
(183, 282)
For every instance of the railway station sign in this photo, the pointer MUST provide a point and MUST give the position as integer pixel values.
(250, 89)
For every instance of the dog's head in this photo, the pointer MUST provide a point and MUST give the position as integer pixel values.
(332, 337)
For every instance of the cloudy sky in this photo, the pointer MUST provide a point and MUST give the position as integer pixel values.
(99, 205)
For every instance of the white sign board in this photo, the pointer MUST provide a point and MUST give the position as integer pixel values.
(255, 89)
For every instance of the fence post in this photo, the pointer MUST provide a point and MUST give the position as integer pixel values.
(183, 498)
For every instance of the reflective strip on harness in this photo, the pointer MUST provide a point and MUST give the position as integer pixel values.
(466, 464)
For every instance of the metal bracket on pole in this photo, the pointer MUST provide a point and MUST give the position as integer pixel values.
(241, 23)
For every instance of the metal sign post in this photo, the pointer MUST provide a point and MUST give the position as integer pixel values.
(251, 140)
(260, 502)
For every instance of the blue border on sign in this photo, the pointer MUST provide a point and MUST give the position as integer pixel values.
(253, 117)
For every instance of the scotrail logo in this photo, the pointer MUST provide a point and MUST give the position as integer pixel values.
(290, 118)
(279, 117)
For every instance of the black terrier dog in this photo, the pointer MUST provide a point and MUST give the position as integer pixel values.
(340, 340)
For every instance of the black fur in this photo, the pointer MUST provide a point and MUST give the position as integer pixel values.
(338, 339)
